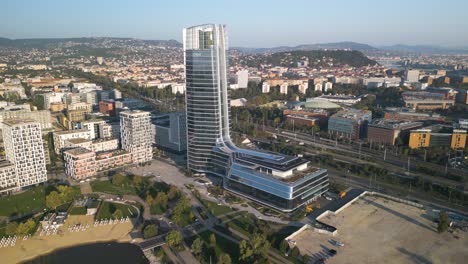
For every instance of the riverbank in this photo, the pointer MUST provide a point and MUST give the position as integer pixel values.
(38, 245)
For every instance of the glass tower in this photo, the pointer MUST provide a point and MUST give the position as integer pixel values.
(206, 93)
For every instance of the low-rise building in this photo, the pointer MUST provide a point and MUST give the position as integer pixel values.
(80, 163)
(430, 99)
(438, 136)
(350, 123)
(302, 120)
(386, 131)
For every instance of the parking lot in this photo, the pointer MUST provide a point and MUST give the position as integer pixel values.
(376, 230)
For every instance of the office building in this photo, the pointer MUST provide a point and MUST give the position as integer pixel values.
(135, 127)
(438, 136)
(171, 132)
(412, 76)
(430, 99)
(107, 107)
(350, 123)
(386, 131)
(276, 180)
(24, 148)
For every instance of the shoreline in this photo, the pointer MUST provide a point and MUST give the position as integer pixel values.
(37, 246)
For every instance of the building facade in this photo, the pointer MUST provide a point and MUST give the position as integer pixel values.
(135, 126)
(171, 132)
(25, 149)
(276, 180)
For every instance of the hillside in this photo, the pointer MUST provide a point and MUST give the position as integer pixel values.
(103, 42)
(316, 58)
(319, 46)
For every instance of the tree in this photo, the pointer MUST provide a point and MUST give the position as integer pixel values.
(173, 193)
(53, 200)
(11, 228)
(197, 246)
(161, 199)
(212, 240)
(443, 222)
(117, 214)
(245, 250)
(305, 258)
(224, 259)
(150, 231)
(26, 227)
(284, 246)
(174, 239)
(295, 252)
(260, 245)
(119, 179)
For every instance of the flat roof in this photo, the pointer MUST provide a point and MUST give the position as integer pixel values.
(78, 151)
(15, 122)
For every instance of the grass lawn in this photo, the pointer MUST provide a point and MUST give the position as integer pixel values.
(29, 201)
(244, 224)
(222, 246)
(79, 210)
(216, 209)
(2, 229)
(155, 209)
(108, 187)
(107, 209)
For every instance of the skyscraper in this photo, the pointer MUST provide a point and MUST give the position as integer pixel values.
(276, 180)
(24, 148)
(135, 131)
(206, 93)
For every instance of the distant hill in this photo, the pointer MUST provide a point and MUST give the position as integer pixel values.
(329, 46)
(320, 58)
(425, 49)
(68, 42)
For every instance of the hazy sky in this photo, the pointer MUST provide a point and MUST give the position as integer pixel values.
(251, 23)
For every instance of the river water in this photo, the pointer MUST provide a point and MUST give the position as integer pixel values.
(99, 253)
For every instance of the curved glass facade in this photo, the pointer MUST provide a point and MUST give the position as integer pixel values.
(206, 93)
(260, 176)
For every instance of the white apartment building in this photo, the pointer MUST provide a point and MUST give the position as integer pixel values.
(242, 78)
(104, 144)
(43, 116)
(284, 88)
(25, 149)
(7, 175)
(265, 87)
(81, 106)
(135, 131)
(98, 128)
(61, 136)
(303, 87)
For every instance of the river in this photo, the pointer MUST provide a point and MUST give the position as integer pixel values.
(99, 253)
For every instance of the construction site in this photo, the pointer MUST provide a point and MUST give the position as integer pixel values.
(376, 229)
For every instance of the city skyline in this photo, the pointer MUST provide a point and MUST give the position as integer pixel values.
(301, 22)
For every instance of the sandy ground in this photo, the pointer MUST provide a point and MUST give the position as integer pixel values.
(375, 230)
(40, 245)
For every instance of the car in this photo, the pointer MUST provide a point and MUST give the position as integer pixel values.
(328, 198)
(337, 243)
(332, 252)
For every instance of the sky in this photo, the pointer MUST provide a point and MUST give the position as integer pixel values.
(250, 23)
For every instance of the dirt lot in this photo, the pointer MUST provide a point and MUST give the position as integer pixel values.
(376, 230)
